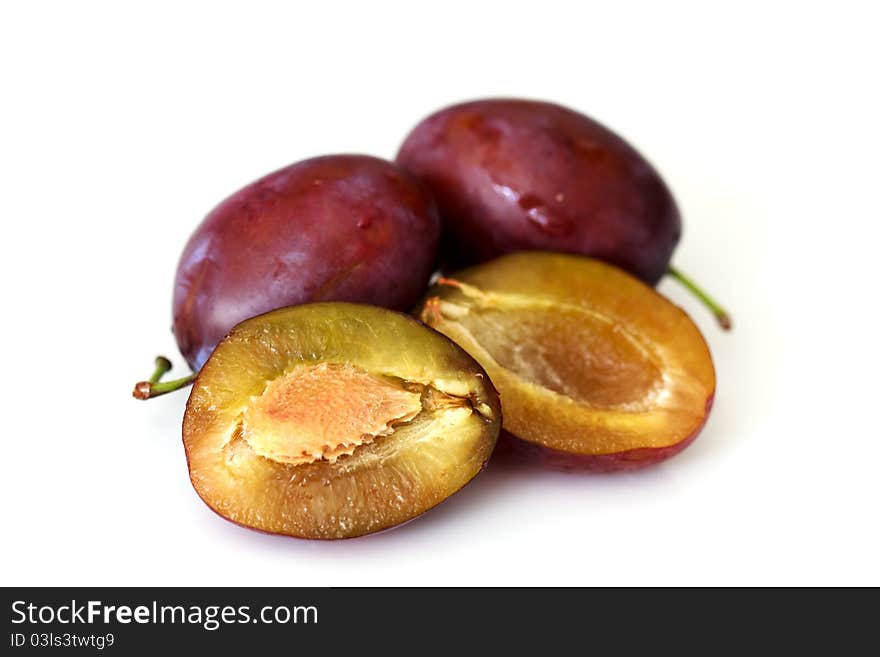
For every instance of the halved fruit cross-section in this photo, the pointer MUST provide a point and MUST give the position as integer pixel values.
(333, 420)
(596, 370)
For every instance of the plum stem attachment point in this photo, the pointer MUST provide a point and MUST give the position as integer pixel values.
(720, 313)
(444, 280)
(468, 290)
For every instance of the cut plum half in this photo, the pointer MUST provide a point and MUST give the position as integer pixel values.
(596, 370)
(333, 420)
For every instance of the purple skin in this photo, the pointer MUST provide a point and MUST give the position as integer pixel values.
(514, 175)
(334, 228)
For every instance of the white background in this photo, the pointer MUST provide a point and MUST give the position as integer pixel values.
(121, 127)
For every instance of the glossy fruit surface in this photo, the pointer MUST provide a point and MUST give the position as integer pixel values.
(333, 420)
(334, 228)
(515, 175)
(595, 369)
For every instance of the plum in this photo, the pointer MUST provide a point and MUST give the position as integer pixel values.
(514, 175)
(596, 369)
(333, 420)
(334, 228)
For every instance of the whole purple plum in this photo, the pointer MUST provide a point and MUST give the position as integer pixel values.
(513, 175)
(334, 228)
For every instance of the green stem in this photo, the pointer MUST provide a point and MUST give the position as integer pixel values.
(163, 366)
(716, 308)
(154, 386)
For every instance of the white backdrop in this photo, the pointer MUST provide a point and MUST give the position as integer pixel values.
(121, 127)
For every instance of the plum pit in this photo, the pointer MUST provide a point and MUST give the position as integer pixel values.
(323, 412)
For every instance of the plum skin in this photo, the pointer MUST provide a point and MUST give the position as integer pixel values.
(512, 448)
(332, 228)
(513, 175)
